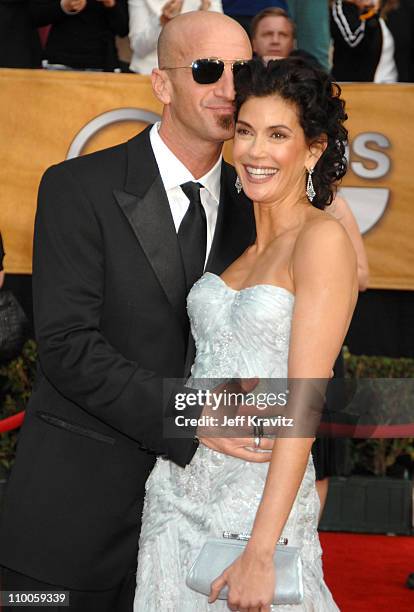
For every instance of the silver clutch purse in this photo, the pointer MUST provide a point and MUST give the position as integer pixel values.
(217, 554)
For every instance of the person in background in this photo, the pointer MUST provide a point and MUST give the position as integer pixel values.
(364, 46)
(82, 36)
(146, 20)
(380, 35)
(341, 210)
(14, 329)
(1, 262)
(19, 41)
(272, 33)
(244, 11)
(312, 28)
(331, 455)
(2, 380)
(399, 18)
(21, 286)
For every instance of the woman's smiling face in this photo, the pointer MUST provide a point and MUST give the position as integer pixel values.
(270, 151)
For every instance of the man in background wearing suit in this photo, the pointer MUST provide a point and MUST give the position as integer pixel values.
(120, 237)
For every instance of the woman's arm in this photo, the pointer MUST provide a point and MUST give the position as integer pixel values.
(325, 277)
(341, 211)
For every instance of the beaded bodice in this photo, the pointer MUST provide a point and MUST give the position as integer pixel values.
(241, 333)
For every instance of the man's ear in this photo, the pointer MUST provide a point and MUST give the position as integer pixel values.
(161, 85)
(316, 148)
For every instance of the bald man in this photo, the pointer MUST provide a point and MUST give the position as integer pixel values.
(114, 259)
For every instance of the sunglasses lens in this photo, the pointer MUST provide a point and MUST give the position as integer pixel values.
(238, 66)
(207, 71)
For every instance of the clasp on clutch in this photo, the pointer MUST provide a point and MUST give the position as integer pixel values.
(245, 537)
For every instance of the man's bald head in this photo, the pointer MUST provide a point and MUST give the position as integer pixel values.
(198, 116)
(185, 34)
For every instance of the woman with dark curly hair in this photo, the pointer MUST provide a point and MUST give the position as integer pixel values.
(289, 154)
(281, 310)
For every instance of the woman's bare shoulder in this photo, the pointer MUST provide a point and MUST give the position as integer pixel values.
(321, 231)
(322, 248)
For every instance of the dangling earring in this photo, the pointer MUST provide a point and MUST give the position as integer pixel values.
(238, 185)
(310, 189)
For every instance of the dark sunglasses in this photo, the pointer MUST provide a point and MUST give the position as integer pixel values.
(209, 70)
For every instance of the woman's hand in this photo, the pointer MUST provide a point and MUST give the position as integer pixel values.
(251, 582)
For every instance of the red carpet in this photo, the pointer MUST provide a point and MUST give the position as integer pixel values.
(367, 573)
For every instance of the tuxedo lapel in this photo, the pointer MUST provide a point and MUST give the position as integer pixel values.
(146, 207)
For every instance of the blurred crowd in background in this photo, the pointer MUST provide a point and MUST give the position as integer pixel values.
(357, 40)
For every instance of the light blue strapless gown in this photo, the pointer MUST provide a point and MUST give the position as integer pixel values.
(238, 334)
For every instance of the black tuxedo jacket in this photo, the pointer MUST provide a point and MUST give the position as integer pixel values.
(111, 323)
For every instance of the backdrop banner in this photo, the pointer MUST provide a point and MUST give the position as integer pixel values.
(48, 116)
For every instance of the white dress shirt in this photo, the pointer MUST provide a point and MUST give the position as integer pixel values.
(386, 71)
(174, 173)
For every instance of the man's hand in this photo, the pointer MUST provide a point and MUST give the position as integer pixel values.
(227, 404)
(233, 419)
(72, 6)
(204, 5)
(242, 448)
(213, 436)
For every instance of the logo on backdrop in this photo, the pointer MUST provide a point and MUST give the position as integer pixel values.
(101, 121)
(367, 203)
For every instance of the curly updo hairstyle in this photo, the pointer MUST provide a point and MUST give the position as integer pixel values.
(321, 112)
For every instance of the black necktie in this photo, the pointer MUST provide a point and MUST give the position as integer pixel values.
(192, 235)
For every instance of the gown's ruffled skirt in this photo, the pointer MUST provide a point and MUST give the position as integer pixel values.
(238, 333)
(213, 494)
